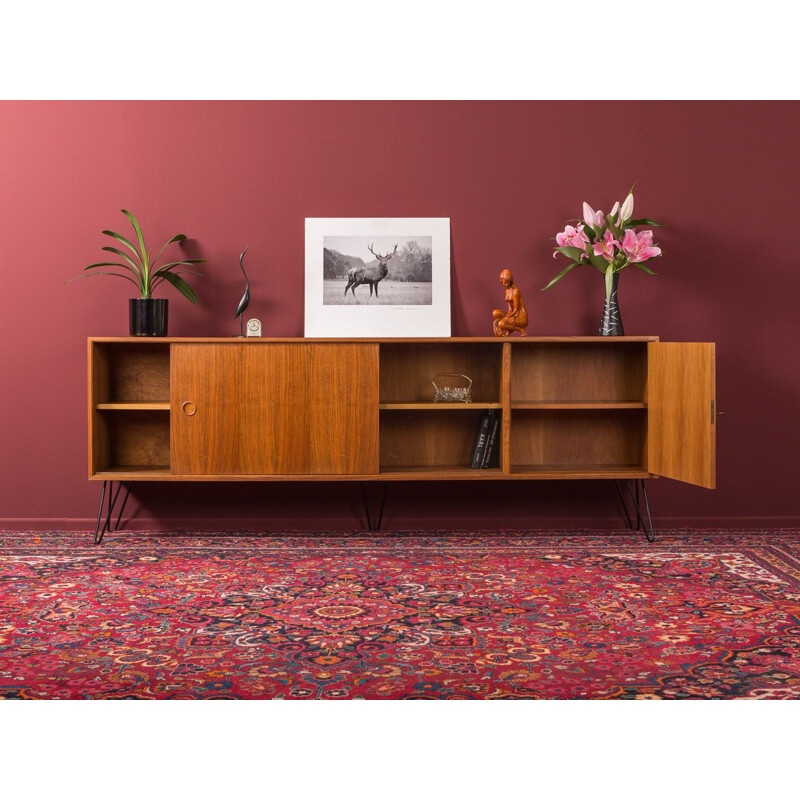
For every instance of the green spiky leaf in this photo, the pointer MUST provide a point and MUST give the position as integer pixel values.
(139, 236)
(122, 254)
(113, 274)
(609, 282)
(598, 262)
(560, 275)
(181, 285)
(179, 237)
(632, 223)
(575, 253)
(120, 238)
(186, 262)
(159, 278)
(107, 264)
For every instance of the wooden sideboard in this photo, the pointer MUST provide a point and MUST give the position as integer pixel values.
(177, 409)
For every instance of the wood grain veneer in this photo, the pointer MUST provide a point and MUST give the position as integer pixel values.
(132, 406)
(505, 399)
(99, 451)
(682, 426)
(278, 409)
(437, 406)
(608, 341)
(452, 472)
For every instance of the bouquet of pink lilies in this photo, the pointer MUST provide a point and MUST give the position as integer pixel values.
(607, 243)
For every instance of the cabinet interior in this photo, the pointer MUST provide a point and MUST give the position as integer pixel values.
(591, 439)
(132, 373)
(408, 369)
(130, 407)
(579, 373)
(427, 439)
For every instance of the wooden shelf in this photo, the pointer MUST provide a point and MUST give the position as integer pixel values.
(456, 472)
(580, 471)
(437, 406)
(543, 406)
(132, 406)
(134, 471)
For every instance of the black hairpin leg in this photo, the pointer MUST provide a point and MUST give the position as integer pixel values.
(122, 507)
(377, 526)
(98, 535)
(647, 527)
(624, 505)
(108, 486)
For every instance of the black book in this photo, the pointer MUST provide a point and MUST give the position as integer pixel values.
(491, 456)
(481, 439)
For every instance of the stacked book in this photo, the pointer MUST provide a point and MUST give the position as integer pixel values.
(486, 451)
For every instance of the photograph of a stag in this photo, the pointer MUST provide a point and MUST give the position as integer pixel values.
(397, 270)
(372, 276)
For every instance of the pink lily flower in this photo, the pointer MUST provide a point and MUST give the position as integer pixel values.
(594, 219)
(571, 237)
(639, 247)
(606, 247)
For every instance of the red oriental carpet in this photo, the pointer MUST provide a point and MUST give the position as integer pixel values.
(400, 615)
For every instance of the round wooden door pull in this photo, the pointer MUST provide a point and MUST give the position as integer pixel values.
(189, 408)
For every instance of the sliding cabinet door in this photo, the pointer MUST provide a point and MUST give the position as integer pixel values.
(274, 409)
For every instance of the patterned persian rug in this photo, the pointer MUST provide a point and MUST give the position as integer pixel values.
(401, 615)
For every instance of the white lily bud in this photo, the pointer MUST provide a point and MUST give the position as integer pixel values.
(615, 209)
(627, 208)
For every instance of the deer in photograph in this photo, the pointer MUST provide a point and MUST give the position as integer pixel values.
(371, 275)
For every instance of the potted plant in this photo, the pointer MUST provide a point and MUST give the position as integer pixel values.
(609, 244)
(148, 315)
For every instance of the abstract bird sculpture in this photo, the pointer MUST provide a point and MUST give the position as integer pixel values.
(245, 301)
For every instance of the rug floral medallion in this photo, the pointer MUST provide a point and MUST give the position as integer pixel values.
(400, 615)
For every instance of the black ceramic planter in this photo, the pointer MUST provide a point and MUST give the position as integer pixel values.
(611, 321)
(148, 317)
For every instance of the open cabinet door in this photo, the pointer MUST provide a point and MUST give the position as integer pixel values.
(681, 429)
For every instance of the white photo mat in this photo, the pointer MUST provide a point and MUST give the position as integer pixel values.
(404, 304)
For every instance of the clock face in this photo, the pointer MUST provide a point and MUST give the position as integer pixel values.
(254, 327)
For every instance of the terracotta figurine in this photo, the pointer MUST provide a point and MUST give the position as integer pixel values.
(516, 318)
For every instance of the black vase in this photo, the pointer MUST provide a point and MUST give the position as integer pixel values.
(148, 317)
(611, 321)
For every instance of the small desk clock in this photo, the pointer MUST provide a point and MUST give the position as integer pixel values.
(254, 327)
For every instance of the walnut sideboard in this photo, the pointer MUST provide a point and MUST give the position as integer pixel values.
(625, 408)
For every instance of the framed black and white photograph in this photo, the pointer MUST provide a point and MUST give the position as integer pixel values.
(377, 277)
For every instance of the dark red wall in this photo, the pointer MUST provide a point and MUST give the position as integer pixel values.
(723, 177)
